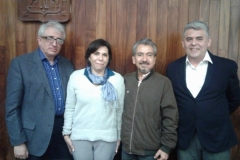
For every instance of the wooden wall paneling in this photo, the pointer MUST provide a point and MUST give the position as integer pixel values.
(214, 24)
(101, 19)
(3, 19)
(90, 27)
(11, 32)
(193, 10)
(182, 21)
(142, 19)
(3, 72)
(11, 14)
(3, 43)
(3, 132)
(224, 28)
(119, 58)
(131, 38)
(152, 20)
(172, 35)
(234, 35)
(235, 151)
(21, 37)
(69, 43)
(111, 33)
(31, 34)
(204, 10)
(80, 18)
(68, 48)
(161, 42)
(235, 3)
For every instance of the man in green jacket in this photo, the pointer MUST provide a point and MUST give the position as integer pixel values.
(150, 116)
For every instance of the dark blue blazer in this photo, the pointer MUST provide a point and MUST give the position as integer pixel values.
(209, 113)
(30, 108)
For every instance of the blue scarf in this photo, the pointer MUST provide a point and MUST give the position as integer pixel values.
(108, 91)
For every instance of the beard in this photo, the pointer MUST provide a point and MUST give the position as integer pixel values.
(143, 71)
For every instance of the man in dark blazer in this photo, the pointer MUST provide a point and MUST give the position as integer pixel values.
(35, 99)
(207, 92)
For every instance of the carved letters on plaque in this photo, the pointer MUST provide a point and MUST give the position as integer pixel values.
(44, 10)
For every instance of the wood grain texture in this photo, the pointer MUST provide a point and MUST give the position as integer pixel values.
(79, 33)
(122, 23)
(101, 19)
(224, 28)
(11, 32)
(182, 21)
(193, 10)
(121, 16)
(162, 28)
(90, 23)
(111, 34)
(234, 34)
(142, 19)
(235, 117)
(132, 13)
(235, 3)
(3, 20)
(152, 20)
(172, 35)
(204, 10)
(214, 25)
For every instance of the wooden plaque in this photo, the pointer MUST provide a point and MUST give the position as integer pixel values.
(44, 10)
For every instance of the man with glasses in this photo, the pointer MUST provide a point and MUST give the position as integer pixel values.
(36, 92)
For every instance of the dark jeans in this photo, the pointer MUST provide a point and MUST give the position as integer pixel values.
(195, 151)
(126, 156)
(57, 149)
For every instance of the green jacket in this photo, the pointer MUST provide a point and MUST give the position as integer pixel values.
(150, 116)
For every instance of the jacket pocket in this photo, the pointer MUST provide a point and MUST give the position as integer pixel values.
(29, 125)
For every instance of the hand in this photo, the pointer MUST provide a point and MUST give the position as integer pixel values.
(160, 155)
(118, 143)
(20, 151)
(69, 143)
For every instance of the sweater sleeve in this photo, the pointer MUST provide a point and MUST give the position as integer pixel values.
(69, 106)
(120, 92)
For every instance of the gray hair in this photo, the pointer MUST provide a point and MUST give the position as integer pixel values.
(197, 25)
(144, 41)
(52, 24)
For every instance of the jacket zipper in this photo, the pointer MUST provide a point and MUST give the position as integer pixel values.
(139, 82)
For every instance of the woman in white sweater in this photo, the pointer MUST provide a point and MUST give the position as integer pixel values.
(94, 106)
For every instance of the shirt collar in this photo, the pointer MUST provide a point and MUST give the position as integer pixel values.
(206, 58)
(43, 57)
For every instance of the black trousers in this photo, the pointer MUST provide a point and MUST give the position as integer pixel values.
(57, 149)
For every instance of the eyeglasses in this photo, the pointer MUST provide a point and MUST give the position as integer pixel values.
(51, 39)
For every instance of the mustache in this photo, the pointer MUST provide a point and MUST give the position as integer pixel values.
(144, 62)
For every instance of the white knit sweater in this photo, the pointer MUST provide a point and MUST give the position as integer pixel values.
(86, 117)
